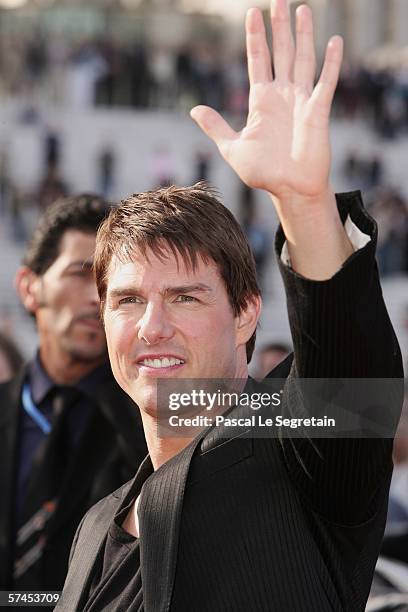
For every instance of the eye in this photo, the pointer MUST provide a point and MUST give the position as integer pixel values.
(186, 299)
(131, 299)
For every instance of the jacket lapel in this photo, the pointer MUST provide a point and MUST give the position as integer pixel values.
(160, 506)
(93, 531)
(10, 395)
(110, 419)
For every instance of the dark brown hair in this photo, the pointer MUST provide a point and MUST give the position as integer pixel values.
(191, 222)
(84, 212)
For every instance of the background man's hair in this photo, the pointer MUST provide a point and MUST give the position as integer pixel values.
(84, 212)
(191, 222)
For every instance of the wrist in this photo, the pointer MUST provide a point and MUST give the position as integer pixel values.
(297, 209)
(317, 242)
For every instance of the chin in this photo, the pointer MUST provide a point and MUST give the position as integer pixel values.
(88, 353)
(145, 398)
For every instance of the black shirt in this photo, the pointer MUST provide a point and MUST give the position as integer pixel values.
(117, 581)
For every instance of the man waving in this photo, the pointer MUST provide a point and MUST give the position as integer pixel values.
(217, 522)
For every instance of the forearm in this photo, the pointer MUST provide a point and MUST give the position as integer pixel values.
(316, 239)
(340, 326)
(341, 329)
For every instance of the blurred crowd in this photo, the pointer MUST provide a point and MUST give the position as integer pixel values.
(106, 72)
(88, 72)
(387, 205)
(85, 73)
(379, 94)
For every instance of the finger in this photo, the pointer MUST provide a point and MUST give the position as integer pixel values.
(323, 93)
(214, 126)
(258, 55)
(305, 60)
(282, 39)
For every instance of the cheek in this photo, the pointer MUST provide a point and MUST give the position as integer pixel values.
(118, 330)
(210, 332)
(57, 293)
(118, 338)
(62, 308)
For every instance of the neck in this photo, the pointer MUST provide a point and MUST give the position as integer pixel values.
(161, 449)
(65, 369)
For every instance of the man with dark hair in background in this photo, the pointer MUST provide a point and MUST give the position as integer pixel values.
(69, 434)
(269, 356)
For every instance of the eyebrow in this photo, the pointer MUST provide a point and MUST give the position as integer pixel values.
(195, 288)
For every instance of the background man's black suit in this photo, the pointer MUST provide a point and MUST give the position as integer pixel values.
(267, 525)
(109, 451)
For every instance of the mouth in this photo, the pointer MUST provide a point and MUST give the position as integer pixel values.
(159, 364)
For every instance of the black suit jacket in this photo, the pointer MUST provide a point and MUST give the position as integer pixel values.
(265, 525)
(110, 450)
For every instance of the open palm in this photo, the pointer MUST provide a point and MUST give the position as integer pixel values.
(284, 147)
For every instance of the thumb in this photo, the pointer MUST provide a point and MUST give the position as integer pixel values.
(214, 126)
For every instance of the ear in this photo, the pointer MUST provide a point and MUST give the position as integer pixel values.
(247, 320)
(27, 285)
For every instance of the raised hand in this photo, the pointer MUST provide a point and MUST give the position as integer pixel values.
(284, 147)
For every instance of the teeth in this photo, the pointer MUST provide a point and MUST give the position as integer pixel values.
(166, 362)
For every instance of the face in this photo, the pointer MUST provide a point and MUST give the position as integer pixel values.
(163, 320)
(67, 303)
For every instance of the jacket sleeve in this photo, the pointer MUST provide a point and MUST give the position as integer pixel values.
(341, 330)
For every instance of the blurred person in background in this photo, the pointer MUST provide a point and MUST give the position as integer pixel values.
(106, 169)
(162, 62)
(391, 213)
(52, 149)
(87, 66)
(5, 183)
(69, 434)
(162, 167)
(10, 358)
(395, 544)
(51, 187)
(139, 75)
(202, 166)
(389, 591)
(12, 202)
(254, 230)
(269, 356)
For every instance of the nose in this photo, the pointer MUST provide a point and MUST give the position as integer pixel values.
(154, 326)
